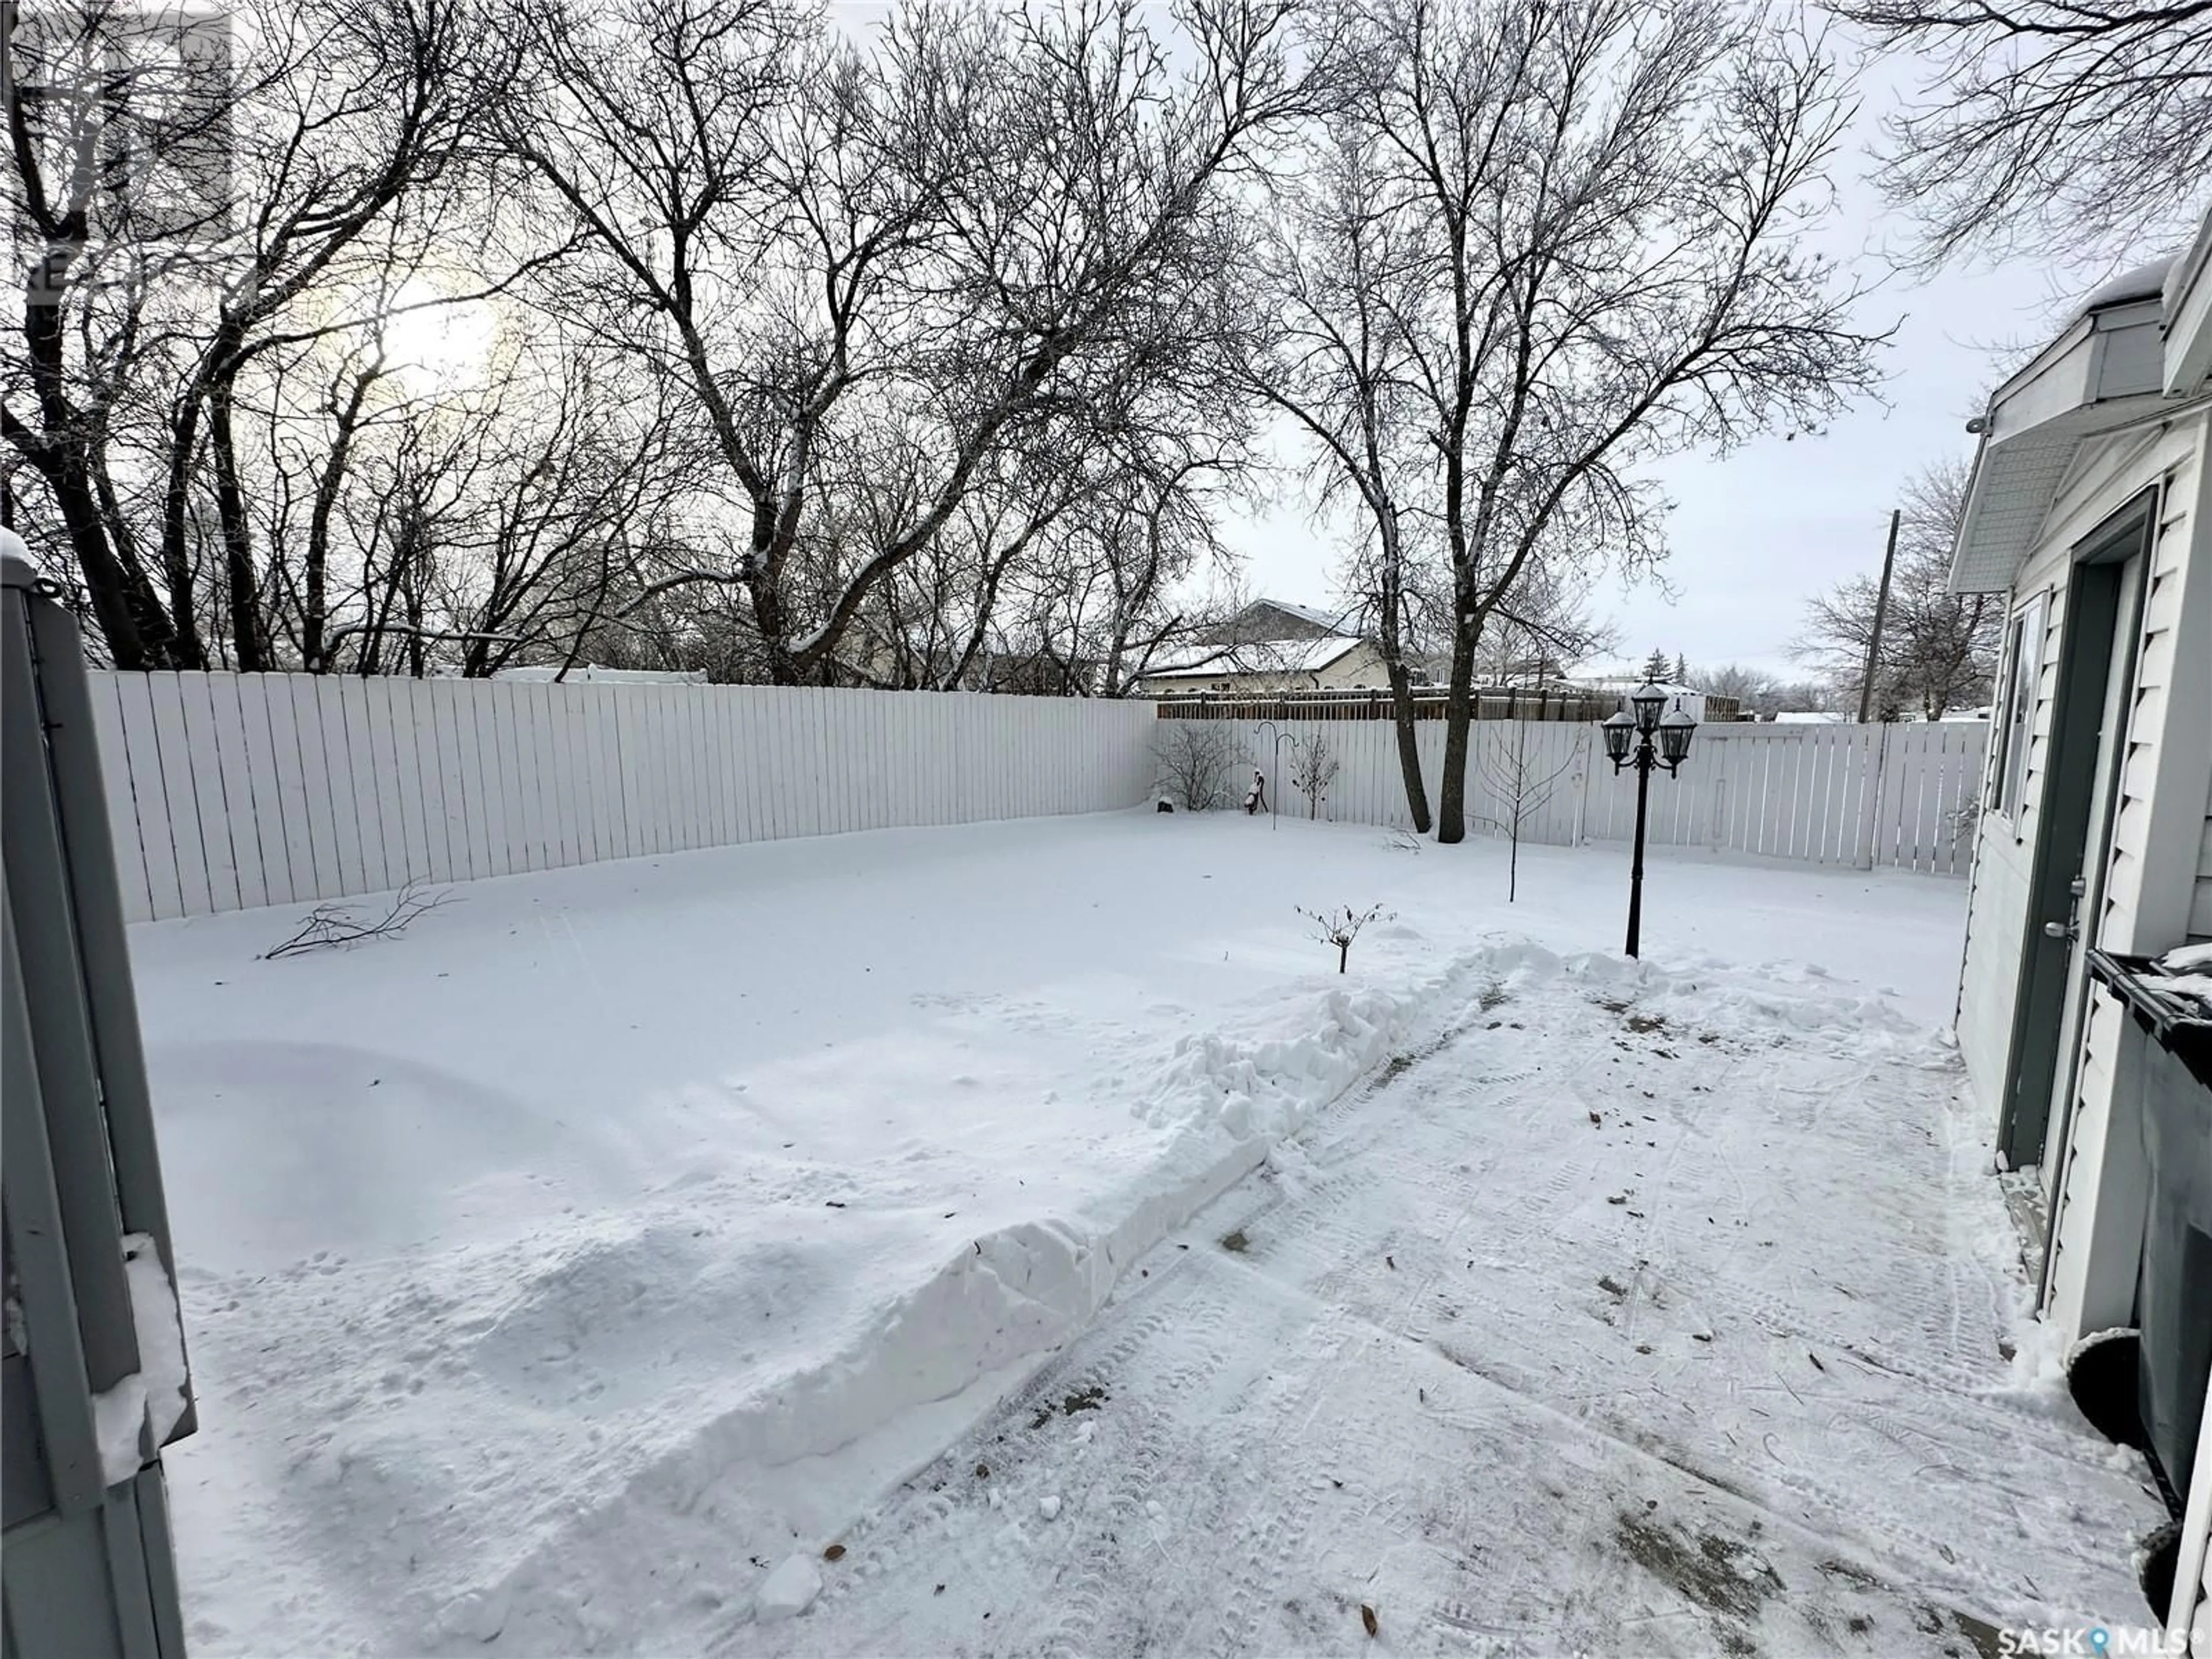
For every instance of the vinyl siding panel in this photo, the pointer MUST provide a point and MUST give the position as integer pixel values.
(2155, 880)
(2123, 925)
(2102, 481)
(2097, 1219)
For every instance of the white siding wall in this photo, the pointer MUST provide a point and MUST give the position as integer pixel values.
(2149, 881)
(229, 791)
(2152, 875)
(1997, 908)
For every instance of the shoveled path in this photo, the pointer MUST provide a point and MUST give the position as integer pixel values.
(1641, 1313)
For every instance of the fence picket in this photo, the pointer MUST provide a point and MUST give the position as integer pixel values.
(248, 826)
(113, 743)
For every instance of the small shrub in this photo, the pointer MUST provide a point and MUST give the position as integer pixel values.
(1340, 927)
(1192, 759)
(1315, 772)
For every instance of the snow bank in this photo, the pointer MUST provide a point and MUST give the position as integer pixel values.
(1269, 1086)
(978, 1328)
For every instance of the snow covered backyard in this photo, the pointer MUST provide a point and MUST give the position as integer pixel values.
(1025, 1225)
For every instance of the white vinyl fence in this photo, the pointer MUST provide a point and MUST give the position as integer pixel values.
(1852, 795)
(229, 791)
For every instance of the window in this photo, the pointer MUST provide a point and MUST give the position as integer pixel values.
(2016, 713)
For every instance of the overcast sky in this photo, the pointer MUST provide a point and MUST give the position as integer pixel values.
(1753, 536)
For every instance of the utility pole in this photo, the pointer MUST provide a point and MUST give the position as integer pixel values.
(1881, 611)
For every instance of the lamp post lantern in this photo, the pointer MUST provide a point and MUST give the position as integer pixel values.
(1628, 742)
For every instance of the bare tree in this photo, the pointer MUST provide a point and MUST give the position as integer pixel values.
(1939, 648)
(1338, 275)
(86, 130)
(1193, 757)
(1340, 927)
(306, 131)
(1524, 783)
(1537, 632)
(2079, 131)
(1313, 769)
(820, 243)
(1756, 690)
(1609, 199)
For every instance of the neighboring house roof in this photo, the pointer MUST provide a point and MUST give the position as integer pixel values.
(2139, 348)
(1626, 682)
(1335, 621)
(1258, 657)
(1264, 620)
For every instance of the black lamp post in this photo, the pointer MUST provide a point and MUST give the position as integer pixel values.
(1673, 748)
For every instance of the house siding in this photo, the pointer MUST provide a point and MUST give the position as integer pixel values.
(1362, 667)
(2151, 881)
(2100, 483)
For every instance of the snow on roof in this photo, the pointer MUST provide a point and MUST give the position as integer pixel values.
(1626, 682)
(2145, 282)
(1807, 717)
(1258, 657)
(1333, 620)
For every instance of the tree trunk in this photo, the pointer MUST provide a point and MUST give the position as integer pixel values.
(188, 651)
(1451, 794)
(129, 611)
(1401, 686)
(249, 638)
(1409, 746)
(60, 449)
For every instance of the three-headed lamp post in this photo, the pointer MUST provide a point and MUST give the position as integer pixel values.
(1628, 742)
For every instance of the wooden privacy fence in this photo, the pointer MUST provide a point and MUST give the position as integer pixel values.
(228, 791)
(1853, 795)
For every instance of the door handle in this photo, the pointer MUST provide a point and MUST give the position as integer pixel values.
(2071, 928)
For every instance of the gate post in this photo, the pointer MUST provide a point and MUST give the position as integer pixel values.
(93, 1378)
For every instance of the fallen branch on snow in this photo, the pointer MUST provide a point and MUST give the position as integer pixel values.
(339, 925)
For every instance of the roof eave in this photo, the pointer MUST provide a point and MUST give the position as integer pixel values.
(2188, 311)
(2105, 372)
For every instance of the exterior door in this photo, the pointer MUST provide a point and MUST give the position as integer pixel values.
(2092, 689)
(2087, 886)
